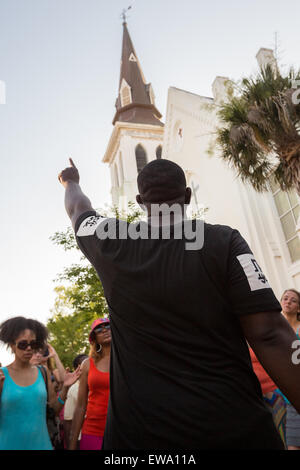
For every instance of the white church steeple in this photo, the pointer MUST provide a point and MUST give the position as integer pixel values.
(138, 132)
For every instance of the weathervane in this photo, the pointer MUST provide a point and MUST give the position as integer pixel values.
(124, 11)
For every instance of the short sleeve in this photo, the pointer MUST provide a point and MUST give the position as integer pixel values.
(86, 228)
(70, 404)
(248, 288)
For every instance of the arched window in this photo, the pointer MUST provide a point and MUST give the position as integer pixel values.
(159, 151)
(126, 96)
(141, 157)
(125, 93)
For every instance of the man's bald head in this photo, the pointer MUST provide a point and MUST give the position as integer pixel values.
(162, 181)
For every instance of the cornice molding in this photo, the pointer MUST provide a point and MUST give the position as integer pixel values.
(146, 131)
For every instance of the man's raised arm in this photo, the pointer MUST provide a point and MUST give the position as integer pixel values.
(76, 202)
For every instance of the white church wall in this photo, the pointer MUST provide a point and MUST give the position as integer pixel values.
(189, 133)
(213, 183)
(121, 157)
(266, 238)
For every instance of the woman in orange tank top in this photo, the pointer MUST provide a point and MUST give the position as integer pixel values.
(273, 400)
(91, 410)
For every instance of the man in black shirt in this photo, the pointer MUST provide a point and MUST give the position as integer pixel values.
(181, 374)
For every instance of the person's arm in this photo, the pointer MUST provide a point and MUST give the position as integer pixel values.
(81, 406)
(59, 373)
(70, 379)
(271, 337)
(70, 405)
(76, 202)
(67, 431)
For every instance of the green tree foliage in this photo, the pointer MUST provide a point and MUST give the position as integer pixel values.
(79, 296)
(260, 136)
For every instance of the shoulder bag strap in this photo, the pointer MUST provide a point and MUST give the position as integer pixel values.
(44, 374)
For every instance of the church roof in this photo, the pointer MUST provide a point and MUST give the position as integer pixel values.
(139, 107)
(191, 93)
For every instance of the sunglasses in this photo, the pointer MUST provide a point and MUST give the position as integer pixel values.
(23, 345)
(99, 329)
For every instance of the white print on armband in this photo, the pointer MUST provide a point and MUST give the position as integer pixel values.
(89, 226)
(256, 278)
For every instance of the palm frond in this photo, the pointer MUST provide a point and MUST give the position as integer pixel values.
(260, 122)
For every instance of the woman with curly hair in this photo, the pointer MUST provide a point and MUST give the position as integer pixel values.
(91, 410)
(23, 392)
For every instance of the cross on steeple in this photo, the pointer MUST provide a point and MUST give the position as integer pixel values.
(124, 11)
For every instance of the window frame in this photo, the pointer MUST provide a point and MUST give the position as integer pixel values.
(139, 157)
(127, 88)
(274, 192)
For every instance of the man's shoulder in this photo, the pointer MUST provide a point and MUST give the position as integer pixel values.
(218, 228)
(218, 233)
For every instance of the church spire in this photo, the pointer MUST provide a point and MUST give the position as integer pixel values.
(135, 102)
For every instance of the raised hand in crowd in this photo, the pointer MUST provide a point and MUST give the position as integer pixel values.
(70, 173)
(76, 202)
(59, 371)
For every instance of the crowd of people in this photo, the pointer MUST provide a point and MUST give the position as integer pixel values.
(286, 418)
(196, 352)
(54, 409)
(78, 422)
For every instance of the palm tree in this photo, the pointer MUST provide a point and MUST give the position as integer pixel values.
(260, 136)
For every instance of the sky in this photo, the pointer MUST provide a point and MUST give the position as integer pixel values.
(60, 62)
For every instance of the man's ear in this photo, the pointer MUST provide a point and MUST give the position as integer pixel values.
(140, 202)
(188, 195)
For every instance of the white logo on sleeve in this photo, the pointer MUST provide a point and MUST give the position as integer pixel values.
(256, 278)
(89, 225)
